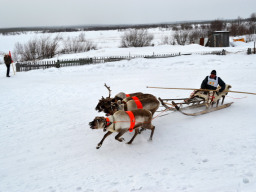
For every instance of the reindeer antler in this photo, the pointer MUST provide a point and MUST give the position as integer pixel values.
(109, 90)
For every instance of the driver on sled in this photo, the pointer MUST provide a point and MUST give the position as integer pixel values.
(211, 82)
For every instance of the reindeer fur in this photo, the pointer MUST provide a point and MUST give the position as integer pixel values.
(122, 95)
(120, 123)
(216, 96)
(150, 103)
(142, 96)
(105, 103)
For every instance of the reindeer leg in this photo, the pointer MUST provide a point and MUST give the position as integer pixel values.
(152, 132)
(117, 137)
(135, 134)
(104, 137)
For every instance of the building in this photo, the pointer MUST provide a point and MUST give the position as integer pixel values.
(218, 39)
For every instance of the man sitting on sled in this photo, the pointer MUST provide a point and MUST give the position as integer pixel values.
(211, 82)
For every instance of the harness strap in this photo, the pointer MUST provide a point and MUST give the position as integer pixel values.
(132, 119)
(127, 95)
(108, 122)
(138, 103)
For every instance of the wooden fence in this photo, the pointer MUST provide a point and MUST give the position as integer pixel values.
(27, 66)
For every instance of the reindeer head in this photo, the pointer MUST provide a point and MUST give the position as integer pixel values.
(110, 108)
(107, 104)
(103, 103)
(98, 123)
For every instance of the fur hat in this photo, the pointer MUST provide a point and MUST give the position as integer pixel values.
(213, 72)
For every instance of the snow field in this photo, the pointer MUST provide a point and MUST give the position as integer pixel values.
(47, 145)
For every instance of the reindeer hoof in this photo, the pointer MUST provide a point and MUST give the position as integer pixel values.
(129, 143)
(121, 139)
(98, 146)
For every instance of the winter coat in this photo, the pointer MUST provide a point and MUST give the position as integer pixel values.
(7, 59)
(205, 85)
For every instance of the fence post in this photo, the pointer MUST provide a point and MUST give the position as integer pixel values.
(58, 64)
(18, 67)
(249, 51)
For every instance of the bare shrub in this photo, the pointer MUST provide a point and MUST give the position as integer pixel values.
(194, 35)
(205, 26)
(167, 40)
(186, 26)
(181, 37)
(253, 17)
(34, 49)
(234, 29)
(175, 28)
(136, 38)
(48, 47)
(250, 38)
(78, 44)
(217, 25)
(252, 28)
(252, 25)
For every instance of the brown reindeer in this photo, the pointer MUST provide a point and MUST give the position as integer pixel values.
(105, 103)
(151, 104)
(121, 122)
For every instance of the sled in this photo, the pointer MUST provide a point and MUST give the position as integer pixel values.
(205, 99)
(206, 102)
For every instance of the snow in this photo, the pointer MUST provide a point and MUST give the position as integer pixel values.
(47, 145)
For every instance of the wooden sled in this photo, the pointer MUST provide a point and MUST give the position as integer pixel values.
(207, 103)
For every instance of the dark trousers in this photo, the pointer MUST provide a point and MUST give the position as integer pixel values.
(8, 69)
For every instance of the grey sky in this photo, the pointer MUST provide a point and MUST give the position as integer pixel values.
(23, 13)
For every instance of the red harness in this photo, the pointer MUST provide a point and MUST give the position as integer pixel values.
(132, 119)
(108, 122)
(127, 95)
(138, 103)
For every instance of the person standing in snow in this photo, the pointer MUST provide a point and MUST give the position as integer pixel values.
(212, 81)
(7, 61)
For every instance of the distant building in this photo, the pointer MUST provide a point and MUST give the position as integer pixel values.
(218, 39)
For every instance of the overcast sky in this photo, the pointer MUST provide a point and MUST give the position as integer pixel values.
(24, 13)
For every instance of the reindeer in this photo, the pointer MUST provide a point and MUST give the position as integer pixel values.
(121, 122)
(150, 103)
(106, 102)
